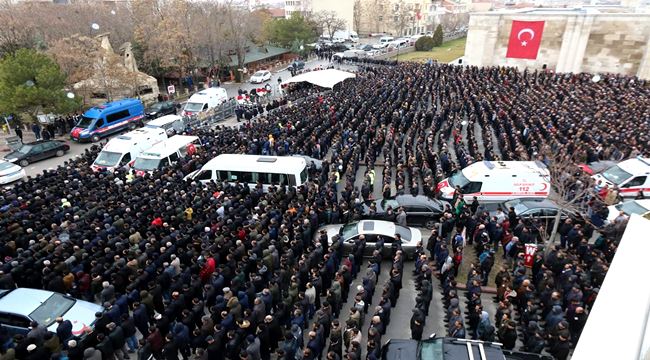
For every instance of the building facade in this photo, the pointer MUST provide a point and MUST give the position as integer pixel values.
(595, 40)
(395, 17)
(342, 8)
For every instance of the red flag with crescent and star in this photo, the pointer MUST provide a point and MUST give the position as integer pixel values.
(525, 38)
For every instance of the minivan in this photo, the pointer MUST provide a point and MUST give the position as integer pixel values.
(109, 118)
(166, 153)
(172, 124)
(204, 100)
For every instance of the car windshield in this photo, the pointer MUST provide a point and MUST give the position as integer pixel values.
(616, 175)
(25, 149)
(510, 203)
(458, 179)
(259, 73)
(85, 122)
(55, 306)
(519, 208)
(108, 158)
(147, 164)
(190, 106)
(350, 230)
(156, 107)
(5, 165)
(404, 232)
(631, 207)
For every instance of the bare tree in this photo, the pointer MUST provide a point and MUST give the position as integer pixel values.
(243, 28)
(402, 17)
(569, 188)
(357, 14)
(328, 22)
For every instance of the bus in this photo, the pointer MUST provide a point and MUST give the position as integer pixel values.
(253, 169)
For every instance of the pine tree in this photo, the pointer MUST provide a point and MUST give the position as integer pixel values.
(437, 36)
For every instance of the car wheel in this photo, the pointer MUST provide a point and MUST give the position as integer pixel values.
(95, 138)
(60, 153)
(132, 126)
(24, 162)
(430, 224)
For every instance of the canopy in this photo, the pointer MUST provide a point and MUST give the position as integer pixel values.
(323, 78)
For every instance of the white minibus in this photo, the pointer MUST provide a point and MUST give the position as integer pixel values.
(251, 169)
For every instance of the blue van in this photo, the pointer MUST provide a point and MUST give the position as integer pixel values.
(109, 118)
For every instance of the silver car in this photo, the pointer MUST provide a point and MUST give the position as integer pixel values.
(371, 230)
(19, 307)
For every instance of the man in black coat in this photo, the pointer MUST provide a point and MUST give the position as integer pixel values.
(417, 324)
(118, 341)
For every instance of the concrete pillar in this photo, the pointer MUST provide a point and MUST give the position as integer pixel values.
(574, 43)
(482, 39)
(644, 66)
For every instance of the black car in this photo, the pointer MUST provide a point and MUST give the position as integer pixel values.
(37, 150)
(420, 210)
(161, 108)
(297, 65)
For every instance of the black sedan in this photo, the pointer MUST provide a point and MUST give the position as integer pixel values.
(37, 150)
(420, 210)
(161, 108)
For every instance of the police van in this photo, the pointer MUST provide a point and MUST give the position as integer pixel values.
(492, 181)
(121, 151)
(166, 152)
(630, 176)
(109, 118)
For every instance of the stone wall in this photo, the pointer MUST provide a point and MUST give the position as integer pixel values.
(572, 41)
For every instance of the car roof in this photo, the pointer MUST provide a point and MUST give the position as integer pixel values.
(417, 200)
(40, 142)
(23, 301)
(376, 227)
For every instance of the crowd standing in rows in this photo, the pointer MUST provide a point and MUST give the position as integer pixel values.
(224, 271)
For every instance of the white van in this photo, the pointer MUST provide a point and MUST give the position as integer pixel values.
(630, 176)
(204, 100)
(346, 36)
(172, 124)
(251, 169)
(386, 39)
(122, 150)
(166, 153)
(498, 181)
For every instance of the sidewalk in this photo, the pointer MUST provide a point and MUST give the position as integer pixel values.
(28, 136)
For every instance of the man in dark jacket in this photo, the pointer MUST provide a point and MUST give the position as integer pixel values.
(417, 324)
(105, 346)
(64, 329)
(118, 341)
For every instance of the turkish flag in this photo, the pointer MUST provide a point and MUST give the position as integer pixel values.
(525, 38)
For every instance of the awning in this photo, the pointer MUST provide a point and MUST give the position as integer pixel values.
(323, 78)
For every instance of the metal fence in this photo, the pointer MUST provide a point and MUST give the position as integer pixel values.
(212, 116)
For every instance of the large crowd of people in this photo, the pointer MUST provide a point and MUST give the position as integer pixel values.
(227, 271)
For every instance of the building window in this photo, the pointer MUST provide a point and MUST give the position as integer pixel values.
(381, 18)
(395, 18)
(396, 7)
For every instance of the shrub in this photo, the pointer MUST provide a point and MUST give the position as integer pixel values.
(437, 36)
(425, 43)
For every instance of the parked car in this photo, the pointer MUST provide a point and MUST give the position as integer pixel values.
(261, 76)
(297, 65)
(19, 307)
(420, 210)
(372, 230)
(638, 207)
(365, 47)
(535, 209)
(10, 172)
(597, 167)
(37, 150)
(159, 109)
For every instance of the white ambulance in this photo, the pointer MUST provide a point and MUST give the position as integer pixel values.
(492, 181)
(166, 153)
(122, 150)
(630, 176)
